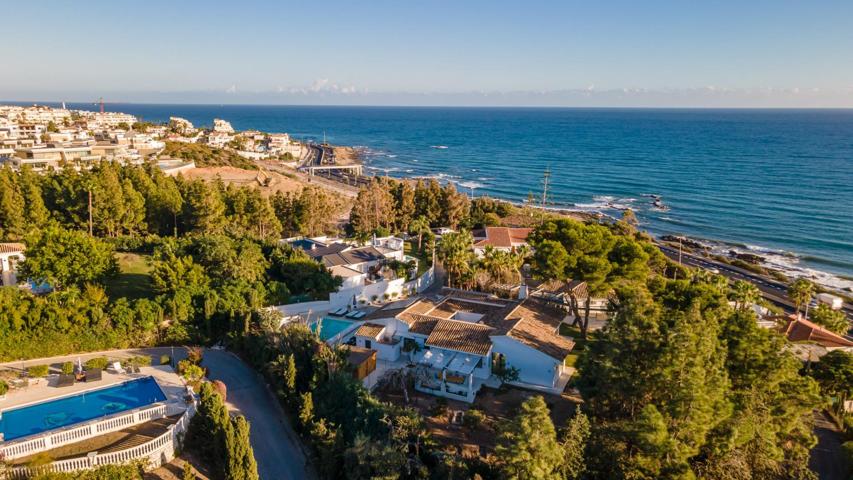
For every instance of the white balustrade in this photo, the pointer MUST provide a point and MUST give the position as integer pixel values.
(53, 439)
(153, 449)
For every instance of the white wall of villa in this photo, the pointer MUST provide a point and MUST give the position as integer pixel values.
(534, 367)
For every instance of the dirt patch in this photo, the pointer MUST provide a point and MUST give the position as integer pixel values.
(346, 155)
(479, 437)
(268, 182)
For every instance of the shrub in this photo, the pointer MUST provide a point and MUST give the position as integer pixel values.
(97, 362)
(386, 296)
(165, 360)
(474, 418)
(4, 387)
(373, 298)
(38, 371)
(68, 368)
(195, 355)
(190, 371)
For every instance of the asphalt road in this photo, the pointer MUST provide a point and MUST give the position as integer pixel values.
(771, 289)
(277, 448)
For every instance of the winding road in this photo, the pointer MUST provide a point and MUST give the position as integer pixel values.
(278, 450)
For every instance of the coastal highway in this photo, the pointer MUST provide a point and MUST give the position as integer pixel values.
(772, 290)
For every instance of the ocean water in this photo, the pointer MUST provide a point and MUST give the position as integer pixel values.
(776, 182)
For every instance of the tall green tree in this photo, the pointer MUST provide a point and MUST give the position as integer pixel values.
(67, 257)
(575, 439)
(527, 444)
(241, 457)
(801, 292)
(834, 374)
(457, 255)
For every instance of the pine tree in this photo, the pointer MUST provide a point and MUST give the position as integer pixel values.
(241, 458)
(12, 221)
(289, 377)
(574, 444)
(306, 410)
(108, 200)
(35, 212)
(527, 445)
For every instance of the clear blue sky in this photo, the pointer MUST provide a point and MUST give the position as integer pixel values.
(621, 52)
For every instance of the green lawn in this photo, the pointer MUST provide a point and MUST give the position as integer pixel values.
(424, 258)
(575, 333)
(133, 280)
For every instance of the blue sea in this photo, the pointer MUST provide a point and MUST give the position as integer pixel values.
(775, 182)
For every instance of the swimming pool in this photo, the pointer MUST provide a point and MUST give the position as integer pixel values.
(329, 327)
(41, 417)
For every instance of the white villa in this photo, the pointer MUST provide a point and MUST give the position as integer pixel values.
(459, 341)
(10, 255)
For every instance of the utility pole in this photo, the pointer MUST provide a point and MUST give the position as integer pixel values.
(545, 177)
(90, 211)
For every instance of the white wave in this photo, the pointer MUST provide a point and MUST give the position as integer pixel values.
(440, 147)
(471, 184)
(781, 260)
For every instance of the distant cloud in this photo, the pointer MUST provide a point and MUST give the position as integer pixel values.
(321, 86)
(324, 91)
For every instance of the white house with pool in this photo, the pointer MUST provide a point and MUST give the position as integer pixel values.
(461, 340)
(94, 418)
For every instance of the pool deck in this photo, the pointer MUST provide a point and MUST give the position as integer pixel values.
(44, 389)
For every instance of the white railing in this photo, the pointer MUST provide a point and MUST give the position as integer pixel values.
(56, 438)
(157, 451)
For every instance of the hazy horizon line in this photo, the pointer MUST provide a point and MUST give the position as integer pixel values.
(44, 102)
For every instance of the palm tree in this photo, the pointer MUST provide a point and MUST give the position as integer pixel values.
(420, 226)
(744, 294)
(455, 252)
(801, 292)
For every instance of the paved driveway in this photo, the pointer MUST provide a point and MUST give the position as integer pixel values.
(277, 448)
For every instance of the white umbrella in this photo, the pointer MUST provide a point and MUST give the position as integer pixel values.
(79, 365)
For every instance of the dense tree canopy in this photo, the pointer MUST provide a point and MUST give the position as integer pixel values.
(63, 258)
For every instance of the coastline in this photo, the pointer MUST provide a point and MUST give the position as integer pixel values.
(776, 264)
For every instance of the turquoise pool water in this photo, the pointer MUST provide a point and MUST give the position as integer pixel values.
(62, 412)
(329, 327)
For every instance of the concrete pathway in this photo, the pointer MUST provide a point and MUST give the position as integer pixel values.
(277, 448)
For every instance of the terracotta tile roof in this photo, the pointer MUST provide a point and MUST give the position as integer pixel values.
(368, 329)
(422, 324)
(461, 336)
(504, 237)
(538, 327)
(11, 247)
(800, 330)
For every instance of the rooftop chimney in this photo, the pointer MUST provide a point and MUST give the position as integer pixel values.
(522, 291)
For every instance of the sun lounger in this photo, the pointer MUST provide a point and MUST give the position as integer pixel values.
(116, 367)
(339, 312)
(352, 314)
(356, 315)
(93, 375)
(65, 380)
